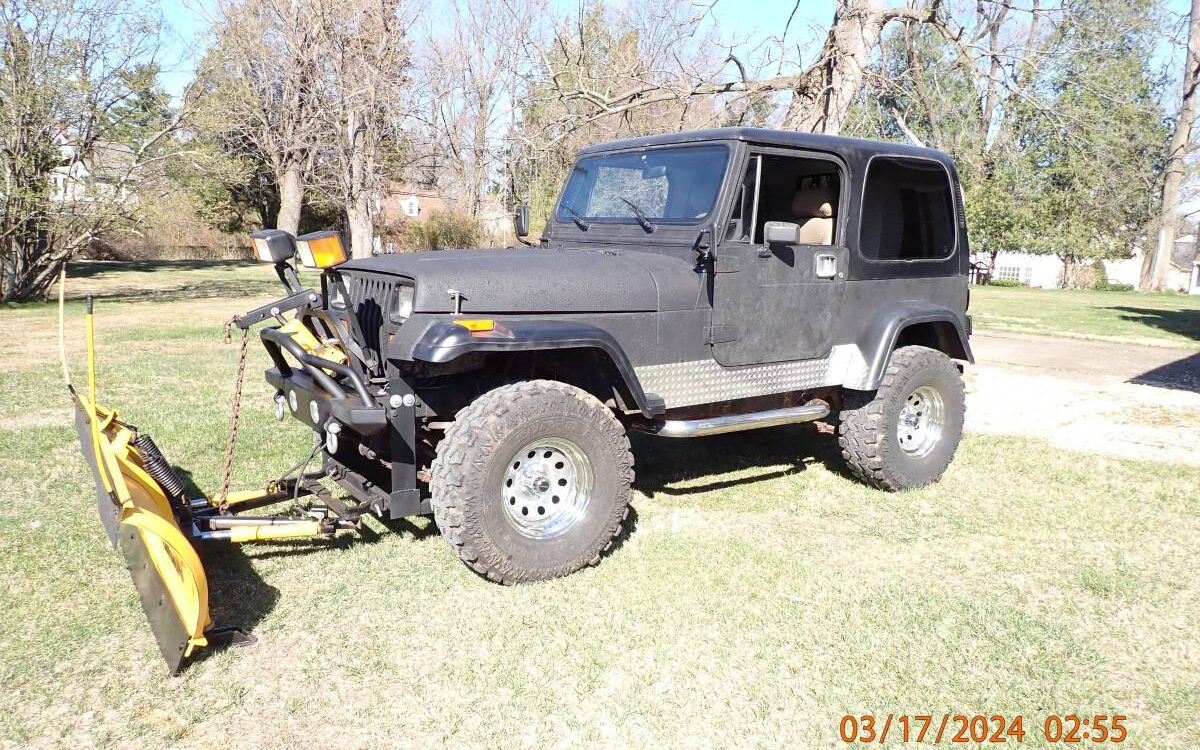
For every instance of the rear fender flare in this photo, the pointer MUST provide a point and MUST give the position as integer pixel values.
(445, 341)
(863, 363)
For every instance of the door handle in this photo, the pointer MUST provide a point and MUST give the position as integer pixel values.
(825, 265)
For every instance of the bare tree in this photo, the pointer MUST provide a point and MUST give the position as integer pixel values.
(261, 96)
(476, 68)
(822, 91)
(642, 64)
(74, 150)
(1157, 264)
(604, 50)
(360, 92)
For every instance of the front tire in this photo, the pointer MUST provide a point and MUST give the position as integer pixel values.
(905, 436)
(532, 481)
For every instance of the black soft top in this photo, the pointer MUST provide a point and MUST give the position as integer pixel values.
(814, 141)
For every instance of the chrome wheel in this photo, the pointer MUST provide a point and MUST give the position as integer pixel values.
(546, 489)
(922, 417)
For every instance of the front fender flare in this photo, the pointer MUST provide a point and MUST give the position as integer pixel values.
(444, 341)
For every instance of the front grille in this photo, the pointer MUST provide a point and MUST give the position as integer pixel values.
(369, 296)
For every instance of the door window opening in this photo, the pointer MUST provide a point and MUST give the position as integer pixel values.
(803, 191)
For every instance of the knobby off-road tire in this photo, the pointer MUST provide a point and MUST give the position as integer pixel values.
(510, 474)
(906, 434)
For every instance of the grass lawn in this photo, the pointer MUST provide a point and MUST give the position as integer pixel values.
(761, 596)
(1132, 317)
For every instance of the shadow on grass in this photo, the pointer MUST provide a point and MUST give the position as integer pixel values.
(122, 289)
(193, 291)
(238, 597)
(1182, 374)
(84, 269)
(663, 462)
(408, 527)
(1180, 322)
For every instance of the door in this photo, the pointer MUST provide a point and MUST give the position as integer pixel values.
(779, 301)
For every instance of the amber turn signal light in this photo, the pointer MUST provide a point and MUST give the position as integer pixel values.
(477, 326)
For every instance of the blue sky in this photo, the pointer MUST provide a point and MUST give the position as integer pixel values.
(737, 19)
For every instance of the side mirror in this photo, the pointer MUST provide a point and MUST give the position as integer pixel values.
(521, 221)
(781, 233)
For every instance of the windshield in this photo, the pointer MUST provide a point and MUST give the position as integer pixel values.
(678, 184)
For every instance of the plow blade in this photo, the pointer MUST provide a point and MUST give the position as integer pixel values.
(143, 522)
(108, 511)
(170, 582)
(148, 518)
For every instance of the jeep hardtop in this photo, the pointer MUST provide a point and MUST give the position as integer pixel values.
(685, 284)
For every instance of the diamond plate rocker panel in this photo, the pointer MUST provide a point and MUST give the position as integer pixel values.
(705, 381)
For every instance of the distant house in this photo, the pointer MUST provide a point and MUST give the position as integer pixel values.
(1184, 275)
(1046, 271)
(403, 202)
(100, 174)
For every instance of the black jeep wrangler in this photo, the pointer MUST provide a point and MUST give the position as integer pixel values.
(686, 284)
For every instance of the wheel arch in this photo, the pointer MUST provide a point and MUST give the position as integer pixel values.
(575, 353)
(934, 326)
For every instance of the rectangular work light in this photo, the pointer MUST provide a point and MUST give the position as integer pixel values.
(320, 249)
(273, 245)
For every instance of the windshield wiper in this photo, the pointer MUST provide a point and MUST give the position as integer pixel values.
(576, 217)
(642, 218)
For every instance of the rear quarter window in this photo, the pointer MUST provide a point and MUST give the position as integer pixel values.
(907, 211)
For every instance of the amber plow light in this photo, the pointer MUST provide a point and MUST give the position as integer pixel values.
(320, 250)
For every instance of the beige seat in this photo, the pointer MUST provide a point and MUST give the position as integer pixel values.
(812, 209)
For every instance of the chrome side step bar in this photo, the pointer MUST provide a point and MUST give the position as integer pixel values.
(686, 428)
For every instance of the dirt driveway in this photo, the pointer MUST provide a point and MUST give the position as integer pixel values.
(1117, 399)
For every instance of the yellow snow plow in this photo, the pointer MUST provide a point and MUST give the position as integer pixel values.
(145, 509)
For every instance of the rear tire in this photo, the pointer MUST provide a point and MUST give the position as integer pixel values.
(905, 434)
(532, 481)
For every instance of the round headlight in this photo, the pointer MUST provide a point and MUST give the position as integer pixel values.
(403, 306)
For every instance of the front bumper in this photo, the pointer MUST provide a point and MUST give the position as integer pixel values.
(313, 395)
(315, 406)
(375, 456)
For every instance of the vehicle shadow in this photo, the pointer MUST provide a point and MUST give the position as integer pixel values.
(662, 463)
(1181, 322)
(1182, 374)
(422, 527)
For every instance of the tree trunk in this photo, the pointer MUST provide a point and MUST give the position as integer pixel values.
(823, 98)
(358, 194)
(362, 229)
(291, 199)
(1157, 265)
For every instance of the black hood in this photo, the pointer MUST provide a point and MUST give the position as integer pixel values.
(533, 280)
